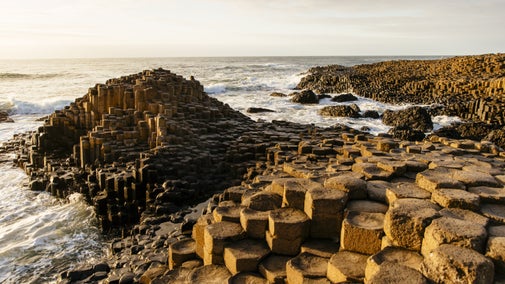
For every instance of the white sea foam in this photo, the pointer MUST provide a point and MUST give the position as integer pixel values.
(215, 88)
(42, 107)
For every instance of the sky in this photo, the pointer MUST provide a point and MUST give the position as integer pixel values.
(174, 28)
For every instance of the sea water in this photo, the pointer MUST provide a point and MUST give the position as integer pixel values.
(40, 235)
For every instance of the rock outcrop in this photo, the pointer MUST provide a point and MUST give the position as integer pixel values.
(305, 97)
(471, 87)
(289, 202)
(416, 118)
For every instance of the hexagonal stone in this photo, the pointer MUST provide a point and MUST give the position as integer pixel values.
(234, 193)
(367, 206)
(454, 264)
(394, 255)
(376, 190)
(199, 231)
(349, 183)
(293, 190)
(346, 266)
(227, 213)
(456, 198)
(495, 248)
(217, 236)
(438, 178)
(475, 178)
(325, 208)
(397, 168)
(247, 278)
(263, 201)
(283, 246)
(489, 194)
(306, 267)
(244, 255)
(406, 220)
(181, 251)
(362, 232)
(320, 247)
(495, 212)
(390, 272)
(466, 215)
(446, 230)
(406, 190)
(211, 274)
(254, 222)
(273, 268)
(288, 223)
(371, 172)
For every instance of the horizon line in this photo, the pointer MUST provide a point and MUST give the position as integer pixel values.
(245, 56)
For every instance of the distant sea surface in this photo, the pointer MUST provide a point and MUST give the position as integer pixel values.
(40, 236)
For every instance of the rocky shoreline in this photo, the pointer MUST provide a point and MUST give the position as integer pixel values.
(288, 202)
(470, 87)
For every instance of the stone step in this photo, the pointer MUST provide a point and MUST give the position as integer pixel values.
(245, 255)
(362, 232)
(347, 267)
(307, 268)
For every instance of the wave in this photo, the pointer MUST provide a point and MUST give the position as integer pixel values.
(13, 106)
(215, 89)
(23, 76)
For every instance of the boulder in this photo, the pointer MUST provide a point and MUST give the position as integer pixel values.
(415, 117)
(341, 111)
(371, 114)
(305, 97)
(344, 98)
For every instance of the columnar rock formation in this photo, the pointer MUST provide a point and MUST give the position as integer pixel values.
(144, 141)
(469, 86)
(300, 203)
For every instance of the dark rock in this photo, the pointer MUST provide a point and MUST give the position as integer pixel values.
(277, 94)
(404, 132)
(497, 136)
(101, 267)
(305, 97)
(323, 96)
(415, 117)
(344, 98)
(258, 110)
(127, 278)
(371, 114)
(4, 117)
(341, 111)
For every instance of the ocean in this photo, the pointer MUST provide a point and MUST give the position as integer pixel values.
(40, 236)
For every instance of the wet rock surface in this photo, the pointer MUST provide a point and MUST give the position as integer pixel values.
(146, 148)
